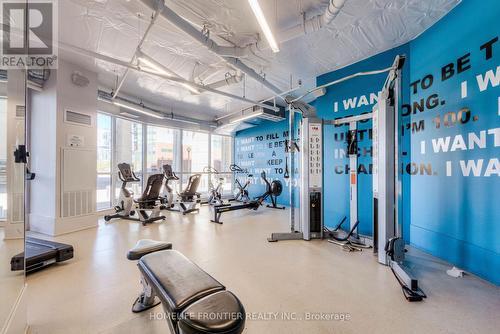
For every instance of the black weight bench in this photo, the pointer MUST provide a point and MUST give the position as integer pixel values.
(194, 302)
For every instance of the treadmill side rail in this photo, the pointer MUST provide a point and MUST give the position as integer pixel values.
(40, 254)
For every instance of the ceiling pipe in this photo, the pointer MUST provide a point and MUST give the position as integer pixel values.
(154, 65)
(230, 79)
(230, 54)
(315, 23)
(167, 116)
(333, 9)
(126, 65)
(134, 57)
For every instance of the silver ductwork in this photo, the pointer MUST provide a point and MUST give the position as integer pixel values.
(180, 80)
(230, 79)
(167, 116)
(230, 54)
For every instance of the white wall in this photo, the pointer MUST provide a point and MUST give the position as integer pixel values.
(43, 109)
(59, 95)
(3, 136)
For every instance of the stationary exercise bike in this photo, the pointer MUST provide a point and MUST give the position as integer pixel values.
(273, 190)
(214, 192)
(127, 205)
(188, 200)
(241, 191)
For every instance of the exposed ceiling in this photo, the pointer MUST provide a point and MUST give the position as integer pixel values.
(115, 27)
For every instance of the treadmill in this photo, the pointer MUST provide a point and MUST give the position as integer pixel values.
(40, 254)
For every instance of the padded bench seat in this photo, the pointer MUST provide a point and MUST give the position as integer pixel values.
(147, 246)
(194, 300)
(176, 280)
(221, 312)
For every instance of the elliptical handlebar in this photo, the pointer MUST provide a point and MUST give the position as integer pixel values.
(169, 173)
(237, 169)
(134, 178)
(125, 173)
(210, 170)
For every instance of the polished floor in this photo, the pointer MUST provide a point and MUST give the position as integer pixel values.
(94, 292)
(11, 283)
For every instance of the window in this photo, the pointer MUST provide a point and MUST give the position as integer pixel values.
(222, 158)
(3, 159)
(195, 157)
(104, 160)
(128, 149)
(121, 140)
(161, 149)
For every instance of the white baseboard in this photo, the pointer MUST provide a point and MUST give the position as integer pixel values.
(70, 225)
(17, 322)
(55, 227)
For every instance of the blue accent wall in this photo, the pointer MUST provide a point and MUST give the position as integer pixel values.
(450, 136)
(455, 215)
(350, 98)
(262, 148)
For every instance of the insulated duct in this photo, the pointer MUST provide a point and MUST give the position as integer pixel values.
(233, 55)
(230, 54)
(230, 79)
(126, 65)
(169, 116)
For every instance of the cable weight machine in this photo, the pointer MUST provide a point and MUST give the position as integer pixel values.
(388, 242)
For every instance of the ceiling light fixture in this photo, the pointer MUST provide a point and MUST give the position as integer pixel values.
(264, 25)
(247, 117)
(153, 65)
(130, 106)
(156, 66)
(224, 126)
(126, 114)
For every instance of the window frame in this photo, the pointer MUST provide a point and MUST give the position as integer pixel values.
(110, 173)
(3, 219)
(178, 154)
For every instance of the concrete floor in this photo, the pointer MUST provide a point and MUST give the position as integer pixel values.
(94, 292)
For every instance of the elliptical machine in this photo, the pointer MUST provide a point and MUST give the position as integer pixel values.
(273, 190)
(190, 199)
(127, 205)
(214, 192)
(241, 192)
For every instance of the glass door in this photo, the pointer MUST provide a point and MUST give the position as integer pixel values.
(12, 186)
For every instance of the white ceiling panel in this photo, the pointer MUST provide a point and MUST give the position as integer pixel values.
(115, 27)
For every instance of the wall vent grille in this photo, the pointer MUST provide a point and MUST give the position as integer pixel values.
(77, 203)
(78, 118)
(20, 111)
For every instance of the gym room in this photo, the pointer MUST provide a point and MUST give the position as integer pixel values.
(249, 166)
